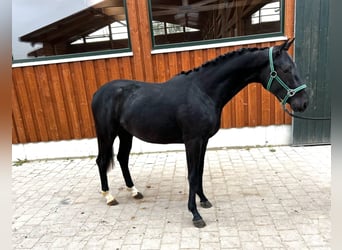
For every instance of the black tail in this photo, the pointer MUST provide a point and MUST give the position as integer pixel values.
(105, 131)
(105, 158)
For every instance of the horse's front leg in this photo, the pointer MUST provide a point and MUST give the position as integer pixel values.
(205, 203)
(195, 151)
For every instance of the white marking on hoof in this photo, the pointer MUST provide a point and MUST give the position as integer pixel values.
(109, 198)
(133, 191)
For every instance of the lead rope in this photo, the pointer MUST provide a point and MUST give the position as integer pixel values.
(306, 117)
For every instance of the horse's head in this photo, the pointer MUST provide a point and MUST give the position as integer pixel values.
(281, 78)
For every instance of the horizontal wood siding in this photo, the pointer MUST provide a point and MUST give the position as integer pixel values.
(52, 102)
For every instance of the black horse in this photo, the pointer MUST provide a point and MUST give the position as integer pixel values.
(187, 109)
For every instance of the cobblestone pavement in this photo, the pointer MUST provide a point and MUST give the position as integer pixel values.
(263, 198)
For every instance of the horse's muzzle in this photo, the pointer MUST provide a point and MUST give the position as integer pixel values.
(299, 102)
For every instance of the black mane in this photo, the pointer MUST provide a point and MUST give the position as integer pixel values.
(221, 58)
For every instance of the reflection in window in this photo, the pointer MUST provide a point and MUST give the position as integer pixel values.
(101, 26)
(164, 28)
(179, 21)
(268, 13)
(116, 31)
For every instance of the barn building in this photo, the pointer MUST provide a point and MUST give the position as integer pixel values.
(68, 58)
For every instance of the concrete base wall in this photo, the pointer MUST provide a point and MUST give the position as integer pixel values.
(235, 137)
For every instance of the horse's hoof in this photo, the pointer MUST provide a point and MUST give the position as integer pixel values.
(206, 204)
(199, 223)
(112, 202)
(138, 196)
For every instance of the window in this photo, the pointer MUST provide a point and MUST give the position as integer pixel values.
(198, 21)
(42, 29)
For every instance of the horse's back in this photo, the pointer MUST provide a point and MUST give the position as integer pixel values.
(146, 110)
(159, 113)
(112, 88)
(114, 93)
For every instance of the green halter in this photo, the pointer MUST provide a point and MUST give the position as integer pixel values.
(274, 75)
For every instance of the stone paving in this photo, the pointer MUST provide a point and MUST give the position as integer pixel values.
(263, 198)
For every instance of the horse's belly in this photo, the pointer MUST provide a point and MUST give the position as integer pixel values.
(159, 139)
(154, 130)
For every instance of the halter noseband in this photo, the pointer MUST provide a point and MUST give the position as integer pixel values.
(274, 75)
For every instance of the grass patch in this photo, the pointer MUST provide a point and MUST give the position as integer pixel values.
(19, 162)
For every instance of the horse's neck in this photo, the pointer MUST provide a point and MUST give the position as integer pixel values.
(224, 79)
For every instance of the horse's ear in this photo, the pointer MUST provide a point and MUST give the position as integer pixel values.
(286, 45)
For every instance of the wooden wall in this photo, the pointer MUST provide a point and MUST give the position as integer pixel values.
(52, 102)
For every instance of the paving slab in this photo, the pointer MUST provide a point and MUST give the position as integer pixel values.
(263, 198)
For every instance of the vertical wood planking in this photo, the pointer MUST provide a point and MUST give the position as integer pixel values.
(185, 61)
(146, 39)
(266, 107)
(173, 65)
(227, 117)
(19, 86)
(113, 70)
(48, 110)
(252, 104)
(127, 71)
(15, 139)
(278, 113)
(58, 100)
(138, 62)
(259, 106)
(69, 95)
(192, 62)
(35, 102)
(289, 20)
(18, 127)
(160, 69)
(81, 98)
(94, 74)
(101, 75)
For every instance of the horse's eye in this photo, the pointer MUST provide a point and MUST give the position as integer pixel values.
(286, 70)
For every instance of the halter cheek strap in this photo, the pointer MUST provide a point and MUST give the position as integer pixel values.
(274, 76)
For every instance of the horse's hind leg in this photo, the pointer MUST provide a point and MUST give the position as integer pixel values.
(104, 161)
(123, 158)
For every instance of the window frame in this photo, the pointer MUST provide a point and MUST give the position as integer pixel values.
(82, 55)
(212, 42)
